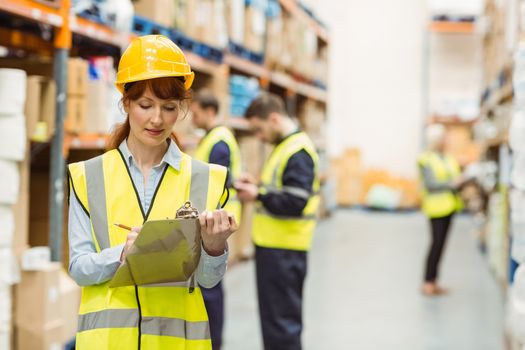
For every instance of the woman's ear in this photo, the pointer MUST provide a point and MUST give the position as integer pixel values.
(125, 105)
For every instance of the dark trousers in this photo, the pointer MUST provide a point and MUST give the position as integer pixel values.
(214, 302)
(280, 279)
(440, 228)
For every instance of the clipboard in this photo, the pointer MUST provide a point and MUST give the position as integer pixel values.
(164, 251)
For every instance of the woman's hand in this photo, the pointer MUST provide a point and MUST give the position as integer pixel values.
(216, 227)
(132, 236)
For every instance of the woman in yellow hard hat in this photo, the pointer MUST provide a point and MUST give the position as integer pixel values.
(144, 176)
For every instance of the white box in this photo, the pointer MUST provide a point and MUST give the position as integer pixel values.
(12, 91)
(35, 259)
(13, 137)
(10, 183)
(9, 269)
(7, 226)
(5, 309)
(5, 340)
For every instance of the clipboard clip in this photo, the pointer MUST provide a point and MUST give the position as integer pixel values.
(187, 211)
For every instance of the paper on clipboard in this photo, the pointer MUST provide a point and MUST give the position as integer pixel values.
(164, 251)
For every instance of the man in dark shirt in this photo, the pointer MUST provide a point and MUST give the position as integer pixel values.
(218, 146)
(286, 203)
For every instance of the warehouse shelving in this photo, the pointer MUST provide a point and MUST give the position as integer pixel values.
(452, 27)
(56, 15)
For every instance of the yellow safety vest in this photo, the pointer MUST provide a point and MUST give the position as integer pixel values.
(160, 316)
(443, 203)
(294, 233)
(216, 135)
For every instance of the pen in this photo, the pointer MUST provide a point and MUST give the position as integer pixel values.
(123, 226)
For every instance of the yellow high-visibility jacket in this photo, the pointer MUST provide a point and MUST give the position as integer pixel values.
(161, 316)
(446, 202)
(293, 233)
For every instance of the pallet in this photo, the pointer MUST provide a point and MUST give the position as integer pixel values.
(144, 26)
(241, 51)
(204, 50)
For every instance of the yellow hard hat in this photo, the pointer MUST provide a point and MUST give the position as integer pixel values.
(152, 56)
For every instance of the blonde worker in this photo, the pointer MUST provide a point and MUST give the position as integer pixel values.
(441, 177)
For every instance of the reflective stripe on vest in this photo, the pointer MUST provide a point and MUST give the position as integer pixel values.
(216, 135)
(276, 231)
(109, 317)
(441, 203)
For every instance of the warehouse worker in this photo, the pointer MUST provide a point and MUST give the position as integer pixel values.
(144, 176)
(219, 146)
(287, 201)
(441, 177)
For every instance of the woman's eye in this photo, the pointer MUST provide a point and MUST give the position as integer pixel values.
(144, 106)
(170, 108)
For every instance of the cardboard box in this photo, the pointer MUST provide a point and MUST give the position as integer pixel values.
(40, 106)
(48, 105)
(254, 29)
(98, 108)
(10, 182)
(69, 303)
(46, 337)
(162, 12)
(76, 109)
(77, 76)
(13, 137)
(32, 107)
(37, 298)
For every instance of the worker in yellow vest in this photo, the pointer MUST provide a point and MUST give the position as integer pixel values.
(144, 176)
(441, 177)
(218, 146)
(287, 201)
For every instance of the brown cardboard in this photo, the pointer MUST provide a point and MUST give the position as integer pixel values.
(159, 11)
(69, 303)
(97, 107)
(46, 337)
(76, 109)
(254, 29)
(77, 76)
(37, 298)
(32, 107)
(48, 105)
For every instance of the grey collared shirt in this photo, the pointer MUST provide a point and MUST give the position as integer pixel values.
(87, 267)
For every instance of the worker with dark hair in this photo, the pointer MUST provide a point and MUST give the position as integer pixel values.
(219, 146)
(286, 206)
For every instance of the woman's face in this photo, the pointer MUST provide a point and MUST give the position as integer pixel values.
(152, 119)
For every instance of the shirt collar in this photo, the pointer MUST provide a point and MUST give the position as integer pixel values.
(172, 157)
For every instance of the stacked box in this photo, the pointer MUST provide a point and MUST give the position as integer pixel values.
(274, 35)
(242, 91)
(312, 116)
(13, 83)
(76, 105)
(255, 25)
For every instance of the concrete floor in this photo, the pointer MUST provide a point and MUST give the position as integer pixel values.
(362, 290)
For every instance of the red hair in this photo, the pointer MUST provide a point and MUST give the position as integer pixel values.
(169, 88)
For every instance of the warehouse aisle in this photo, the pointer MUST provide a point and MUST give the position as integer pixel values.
(362, 290)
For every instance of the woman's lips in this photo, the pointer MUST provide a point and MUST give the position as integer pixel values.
(154, 132)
